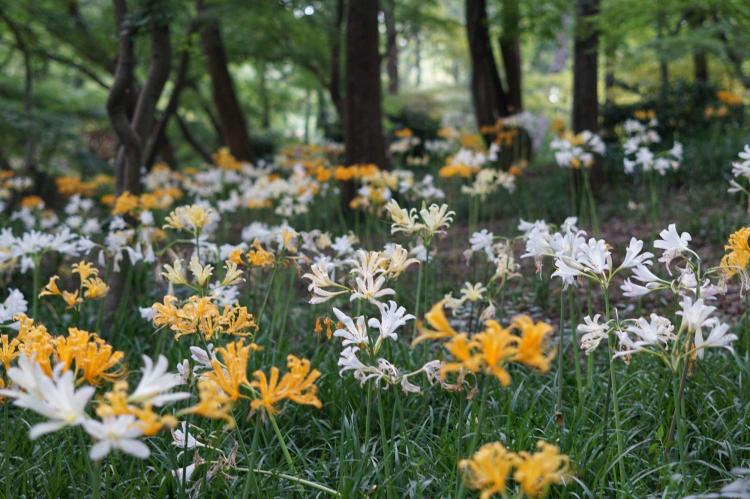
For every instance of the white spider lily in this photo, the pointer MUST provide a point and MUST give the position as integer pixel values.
(352, 334)
(54, 398)
(348, 361)
(155, 384)
(658, 331)
(116, 433)
(436, 218)
(593, 333)
(392, 317)
(717, 338)
(320, 281)
(672, 244)
(403, 220)
(694, 315)
(370, 289)
(634, 257)
(482, 241)
(201, 273)
(473, 292)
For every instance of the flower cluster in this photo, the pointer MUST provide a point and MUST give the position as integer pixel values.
(577, 151)
(489, 468)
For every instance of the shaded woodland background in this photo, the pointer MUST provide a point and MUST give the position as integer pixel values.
(94, 86)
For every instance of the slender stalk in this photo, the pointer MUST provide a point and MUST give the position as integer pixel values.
(185, 433)
(460, 434)
(653, 198)
(367, 414)
(250, 457)
(560, 354)
(478, 428)
(589, 358)
(93, 469)
(576, 347)
(615, 397)
(291, 478)
(37, 284)
(268, 292)
(385, 446)
(678, 393)
(418, 297)
(282, 442)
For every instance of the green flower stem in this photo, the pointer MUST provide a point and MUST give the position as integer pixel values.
(93, 469)
(576, 348)
(284, 448)
(615, 397)
(291, 478)
(385, 446)
(37, 285)
(560, 355)
(477, 429)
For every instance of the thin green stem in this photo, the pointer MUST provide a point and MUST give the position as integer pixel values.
(560, 355)
(615, 397)
(282, 442)
(478, 428)
(385, 446)
(291, 478)
(37, 284)
(576, 347)
(93, 468)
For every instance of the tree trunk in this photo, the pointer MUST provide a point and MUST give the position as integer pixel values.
(510, 49)
(191, 140)
(230, 115)
(489, 97)
(585, 67)
(610, 54)
(129, 157)
(363, 131)
(133, 133)
(700, 66)
(391, 46)
(695, 18)
(159, 138)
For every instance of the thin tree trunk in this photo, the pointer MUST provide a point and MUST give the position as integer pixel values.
(489, 97)
(191, 140)
(391, 46)
(117, 101)
(133, 133)
(230, 115)
(695, 18)
(159, 136)
(585, 67)
(610, 53)
(510, 49)
(363, 131)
